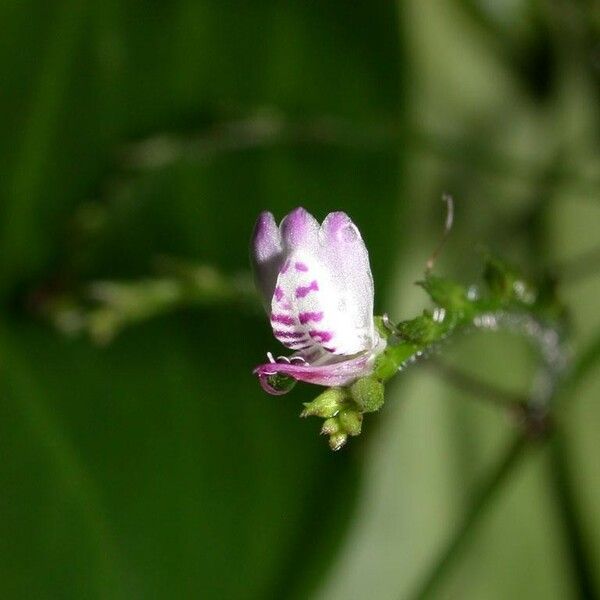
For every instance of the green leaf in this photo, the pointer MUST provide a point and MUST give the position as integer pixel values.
(157, 466)
(445, 293)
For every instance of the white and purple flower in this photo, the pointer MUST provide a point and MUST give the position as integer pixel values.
(317, 287)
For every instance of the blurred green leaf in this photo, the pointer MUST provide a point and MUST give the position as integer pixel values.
(157, 467)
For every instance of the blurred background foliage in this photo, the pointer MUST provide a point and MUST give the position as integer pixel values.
(140, 140)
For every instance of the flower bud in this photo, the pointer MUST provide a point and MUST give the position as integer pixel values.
(331, 426)
(325, 405)
(368, 393)
(337, 441)
(350, 421)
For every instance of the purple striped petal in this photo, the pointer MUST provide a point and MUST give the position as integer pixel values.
(339, 373)
(305, 317)
(318, 280)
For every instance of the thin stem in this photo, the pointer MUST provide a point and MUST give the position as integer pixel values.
(449, 201)
(582, 367)
(273, 128)
(577, 552)
(482, 501)
(108, 307)
(562, 484)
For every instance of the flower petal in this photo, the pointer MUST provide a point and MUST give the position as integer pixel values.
(300, 277)
(299, 232)
(344, 256)
(266, 255)
(324, 291)
(299, 229)
(339, 373)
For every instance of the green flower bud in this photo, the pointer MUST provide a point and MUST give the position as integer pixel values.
(325, 405)
(337, 441)
(368, 393)
(350, 421)
(331, 427)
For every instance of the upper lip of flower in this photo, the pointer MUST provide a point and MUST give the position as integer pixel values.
(317, 288)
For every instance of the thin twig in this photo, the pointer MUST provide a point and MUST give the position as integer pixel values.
(271, 128)
(481, 501)
(449, 201)
(580, 369)
(583, 569)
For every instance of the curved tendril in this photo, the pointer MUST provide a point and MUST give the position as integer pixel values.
(447, 198)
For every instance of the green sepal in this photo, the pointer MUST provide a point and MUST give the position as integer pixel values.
(380, 327)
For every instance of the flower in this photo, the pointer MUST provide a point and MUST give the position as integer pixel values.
(317, 289)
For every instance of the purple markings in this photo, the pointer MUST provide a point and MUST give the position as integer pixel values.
(300, 266)
(329, 349)
(285, 267)
(278, 293)
(304, 290)
(283, 319)
(322, 336)
(305, 317)
(288, 335)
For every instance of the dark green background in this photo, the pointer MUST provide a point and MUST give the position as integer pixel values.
(155, 467)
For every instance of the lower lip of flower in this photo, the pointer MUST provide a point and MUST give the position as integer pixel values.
(279, 377)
